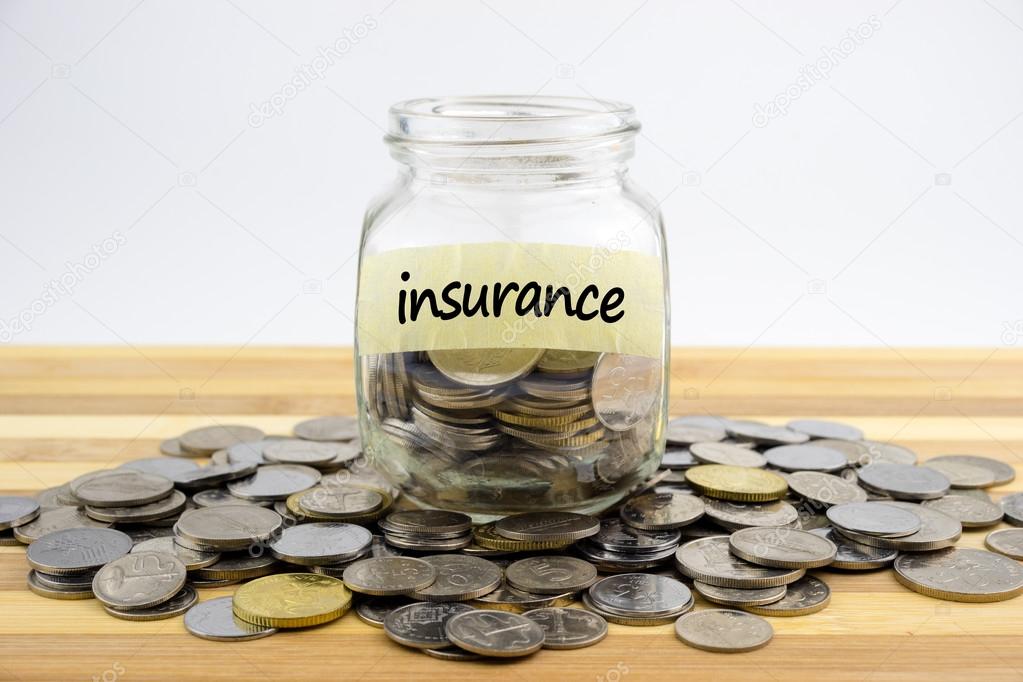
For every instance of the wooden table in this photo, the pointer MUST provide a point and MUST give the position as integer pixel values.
(67, 411)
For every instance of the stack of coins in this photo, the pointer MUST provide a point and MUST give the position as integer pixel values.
(427, 530)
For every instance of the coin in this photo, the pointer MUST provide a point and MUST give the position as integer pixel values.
(547, 526)
(215, 620)
(659, 511)
(77, 550)
(709, 560)
(340, 501)
(874, 518)
(1002, 472)
(459, 577)
(17, 511)
(630, 619)
(805, 458)
(566, 361)
(937, 531)
(617, 536)
(237, 566)
(316, 544)
(904, 481)
(764, 434)
(139, 580)
(970, 512)
(723, 630)
(961, 574)
(735, 515)
(568, 628)
(507, 598)
(181, 602)
(819, 428)
(292, 600)
(682, 433)
(451, 653)
(641, 595)
(213, 475)
(962, 474)
(373, 611)
(168, 506)
(162, 466)
(485, 367)
(782, 547)
(727, 453)
(429, 522)
(825, 489)
(421, 624)
(334, 428)
(624, 389)
(51, 520)
(739, 484)
(120, 488)
(275, 482)
(1012, 507)
(172, 448)
(1008, 541)
(219, 497)
(677, 458)
(803, 597)
(389, 576)
(192, 559)
(209, 439)
(226, 528)
(854, 556)
(500, 634)
(57, 592)
(300, 451)
(550, 574)
(733, 596)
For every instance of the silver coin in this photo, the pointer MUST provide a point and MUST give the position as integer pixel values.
(1012, 507)
(640, 594)
(215, 620)
(192, 559)
(389, 576)
(204, 584)
(219, 497)
(426, 544)
(727, 453)
(139, 580)
(660, 511)
(499, 634)
(168, 506)
(228, 527)
(824, 489)
(803, 597)
(677, 458)
(874, 518)
(975, 493)
(249, 452)
(961, 574)
(765, 434)
(17, 511)
(340, 500)
(237, 566)
(624, 389)
(77, 550)
(335, 428)
(547, 526)
(507, 598)
(681, 433)
(962, 474)
(806, 458)
(710, 560)
(782, 547)
(75, 580)
(213, 475)
(970, 512)
(451, 653)
(209, 439)
(429, 522)
(275, 482)
(937, 531)
(161, 466)
(735, 515)
(459, 577)
(51, 520)
(316, 544)
(1008, 541)
(57, 591)
(185, 599)
(568, 628)
(142, 533)
(890, 453)
(904, 481)
(172, 448)
(854, 556)
(120, 488)
(733, 596)
(550, 574)
(421, 624)
(723, 630)
(819, 428)
(373, 611)
(622, 562)
(307, 452)
(627, 618)
(1003, 473)
(616, 536)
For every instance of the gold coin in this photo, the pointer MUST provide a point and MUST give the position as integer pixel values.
(486, 536)
(484, 367)
(738, 484)
(292, 600)
(557, 422)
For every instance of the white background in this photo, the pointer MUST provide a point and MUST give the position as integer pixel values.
(883, 208)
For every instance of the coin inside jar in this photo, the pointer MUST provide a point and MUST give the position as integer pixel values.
(625, 388)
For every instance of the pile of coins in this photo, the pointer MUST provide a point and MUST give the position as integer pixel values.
(512, 429)
(745, 517)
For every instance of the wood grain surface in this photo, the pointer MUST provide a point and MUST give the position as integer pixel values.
(65, 411)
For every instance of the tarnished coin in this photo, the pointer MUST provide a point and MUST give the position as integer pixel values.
(170, 505)
(161, 466)
(215, 620)
(739, 484)
(77, 550)
(139, 580)
(340, 501)
(51, 520)
(803, 597)
(727, 453)
(228, 527)
(120, 488)
(641, 594)
(1012, 507)
(429, 522)
(316, 544)
(300, 451)
(764, 434)
(825, 489)
(970, 512)
(209, 439)
(782, 547)
(389, 576)
(550, 574)
(57, 591)
(568, 628)
(961, 574)
(17, 511)
(373, 611)
(854, 556)
(1002, 472)
(1008, 541)
(937, 531)
(616, 536)
(181, 602)
(624, 389)
(904, 481)
(500, 634)
(819, 428)
(806, 458)
(733, 596)
(292, 600)
(220, 497)
(735, 515)
(275, 482)
(683, 433)
(660, 511)
(459, 577)
(874, 518)
(485, 367)
(547, 526)
(192, 559)
(723, 630)
(421, 624)
(213, 475)
(333, 428)
(710, 560)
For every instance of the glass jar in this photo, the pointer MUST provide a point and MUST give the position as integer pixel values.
(512, 315)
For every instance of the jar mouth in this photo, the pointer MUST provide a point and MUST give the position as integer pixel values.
(501, 120)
